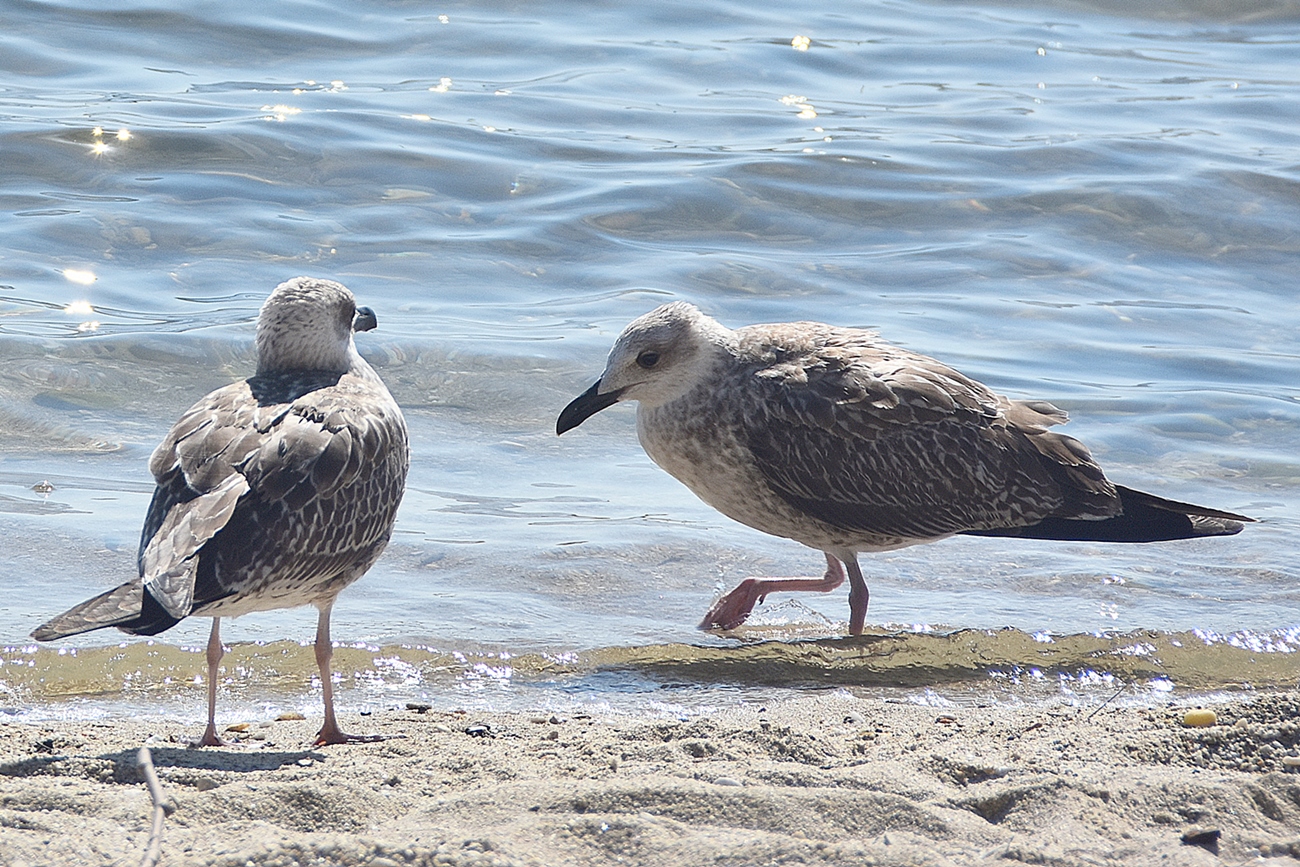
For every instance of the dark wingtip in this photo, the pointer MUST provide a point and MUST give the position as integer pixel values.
(1144, 518)
(365, 320)
(1203, 526)
(584, 406)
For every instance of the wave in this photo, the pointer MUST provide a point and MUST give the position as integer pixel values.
(1008, 662)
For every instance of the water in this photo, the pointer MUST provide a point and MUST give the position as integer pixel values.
(1091, 203)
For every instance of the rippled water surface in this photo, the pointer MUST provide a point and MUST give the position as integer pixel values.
(1088, 202)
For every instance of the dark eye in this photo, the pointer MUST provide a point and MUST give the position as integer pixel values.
(648, 359)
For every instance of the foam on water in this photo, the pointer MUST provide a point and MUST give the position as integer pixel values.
(968, 665)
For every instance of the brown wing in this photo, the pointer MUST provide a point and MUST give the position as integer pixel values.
(325, 485)
(254, 484)
(198, 489)
(871, 438)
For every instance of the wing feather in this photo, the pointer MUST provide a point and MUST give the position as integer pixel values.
(872, 438)
(251, 470)
(170, 559)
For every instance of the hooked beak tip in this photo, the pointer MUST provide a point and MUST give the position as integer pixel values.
(584, 406)
(364, 320)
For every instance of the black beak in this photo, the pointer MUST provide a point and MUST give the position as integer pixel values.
(584, 406)
(365, 320)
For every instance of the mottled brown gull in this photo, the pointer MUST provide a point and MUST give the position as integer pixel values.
(831, 437)
(273, 492)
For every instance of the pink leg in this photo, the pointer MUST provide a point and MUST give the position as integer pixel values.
(215, 652)
(731, 610)
(859, 596)
(330, 733)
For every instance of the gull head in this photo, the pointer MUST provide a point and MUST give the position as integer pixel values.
(658, 358)
(307, 324)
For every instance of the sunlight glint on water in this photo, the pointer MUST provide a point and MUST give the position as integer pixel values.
(1062, 201)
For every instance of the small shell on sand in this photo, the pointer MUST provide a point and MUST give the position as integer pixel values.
(1200, 718)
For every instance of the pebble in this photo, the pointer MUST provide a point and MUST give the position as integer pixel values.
(1291, 761)
(727, 781)
(1206, 838)
(237, 727)
(289, 716)
(1200, 718)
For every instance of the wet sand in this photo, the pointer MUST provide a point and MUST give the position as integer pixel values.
(821, 779)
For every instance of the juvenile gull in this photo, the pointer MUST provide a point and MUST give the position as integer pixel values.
(830, 437)
(273, 492)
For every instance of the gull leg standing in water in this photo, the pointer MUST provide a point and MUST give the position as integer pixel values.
(273, 492)
(837, 440)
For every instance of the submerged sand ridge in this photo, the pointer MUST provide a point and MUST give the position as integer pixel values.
(822, 779)
(134, 674)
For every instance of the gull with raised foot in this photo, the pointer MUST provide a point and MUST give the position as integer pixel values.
(835, 439)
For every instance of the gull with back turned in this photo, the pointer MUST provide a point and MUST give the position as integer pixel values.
(842, 442)
(273, 492)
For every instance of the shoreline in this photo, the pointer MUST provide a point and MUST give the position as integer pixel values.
(809, 779)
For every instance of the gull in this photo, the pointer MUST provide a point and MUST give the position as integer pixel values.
(273, 492)
(839, 441)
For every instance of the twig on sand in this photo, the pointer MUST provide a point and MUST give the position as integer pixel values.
(153, 852)
(1098, 708)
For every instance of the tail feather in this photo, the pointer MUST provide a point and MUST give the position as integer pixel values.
(1144, 518)
(127, 607)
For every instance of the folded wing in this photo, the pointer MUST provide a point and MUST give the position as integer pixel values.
(874, 439)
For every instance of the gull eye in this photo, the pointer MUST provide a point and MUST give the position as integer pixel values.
(648, 359)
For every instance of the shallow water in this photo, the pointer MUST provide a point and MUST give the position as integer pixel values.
(1089, 203)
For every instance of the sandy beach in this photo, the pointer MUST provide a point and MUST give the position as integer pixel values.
(814, 779)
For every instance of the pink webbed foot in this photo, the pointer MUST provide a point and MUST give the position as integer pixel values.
(210, 738)
(732, 610)
(328, 737)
